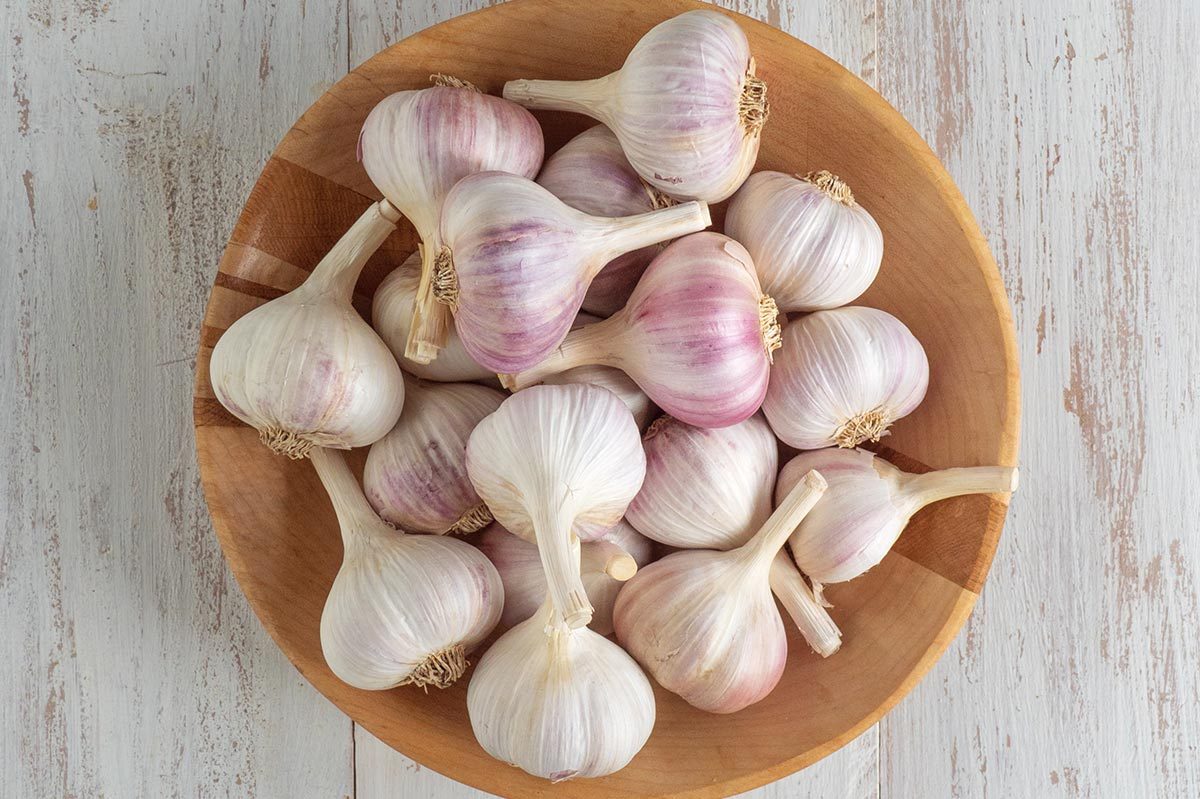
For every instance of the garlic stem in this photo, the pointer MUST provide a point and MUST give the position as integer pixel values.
(813, 621)
(559, 549)
(349, 502)
(590, 344)
(628, 233)
(608, 558)
(923, 489)
(774, 533)
(578, 96)
(431, 319)
(338, 271)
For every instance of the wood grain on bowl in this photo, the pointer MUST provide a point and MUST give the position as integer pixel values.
(278, 530)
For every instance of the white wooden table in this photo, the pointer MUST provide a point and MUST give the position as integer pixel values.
(131, 132)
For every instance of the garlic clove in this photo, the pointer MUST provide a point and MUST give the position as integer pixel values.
(843, 376)
(560, 703)
(556, 464)
(392, 315)
(814, 247)
(686, 105)
(868, 505)
(697, 335)
(704, 623)
(605, 564)
(403, 609)
(416, 475)
(415, 145)
(590, 173)
(517, 262)
(304, 369)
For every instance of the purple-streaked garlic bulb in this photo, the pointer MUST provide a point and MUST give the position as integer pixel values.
(868, 505)
(517, 262)
(843, 377)
(704, 623)
(392, 315)
(705, 488)
(416, 475)
(712, 489)
(814, 247)
(403, 609)
(697, 335)
(605, 564)
(686, 105)
(304, 369)
(415, 145)
(557, 465)
(591, 174)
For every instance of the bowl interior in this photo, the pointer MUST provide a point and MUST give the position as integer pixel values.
(278, 530)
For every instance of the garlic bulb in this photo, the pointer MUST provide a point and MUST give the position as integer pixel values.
(711, 489)
(305, 370)
(686, 106)
(415, 145)
(706, 489)
(556, 464)
(704, 624)
(391, 316)
(697, 335)
(605, 564)
(868, 505)
(812, 245)
(403, 609)
(559, 703)
(591, 174)
(416, 475)
(517, 262)
(843, 377)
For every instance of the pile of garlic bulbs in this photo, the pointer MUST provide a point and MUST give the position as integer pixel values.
(652, 423)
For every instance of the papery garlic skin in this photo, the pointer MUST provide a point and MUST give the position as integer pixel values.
(843, 376)
(518, 261)
(560, 703)
(558, 464)
(868, 505)
(415, 145)
(304, 369)
(685, 106)
(697, 335)
(590, 173)
(392, 316)
(705, 625)
(403, 609)
(605, 565)
(416, 475)
(705, 488)
(813, 246)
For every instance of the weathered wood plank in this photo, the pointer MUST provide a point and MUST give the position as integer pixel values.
(1071, 130)
(132, 134)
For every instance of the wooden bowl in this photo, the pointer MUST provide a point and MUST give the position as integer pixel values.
(278, 530)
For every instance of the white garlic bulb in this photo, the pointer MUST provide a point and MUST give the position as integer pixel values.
(842, 377)
(403, 609)
(704, 624)
(560, 703)
(305, 370)
(686, 105)
(868, 505)
(814, 247)
(416, 475)
(555, 465)
(415, 145)
(605, 564)
(705, 488)
(392, 315)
